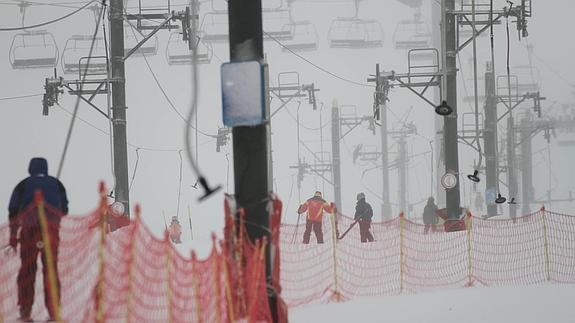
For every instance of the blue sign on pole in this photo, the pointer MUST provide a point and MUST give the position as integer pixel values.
(490, 196)
(243, 96)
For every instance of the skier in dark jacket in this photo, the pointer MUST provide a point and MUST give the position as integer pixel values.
(31, 242)
(430, 215)
(363, 215)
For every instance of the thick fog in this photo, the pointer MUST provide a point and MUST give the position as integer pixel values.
(155, 129)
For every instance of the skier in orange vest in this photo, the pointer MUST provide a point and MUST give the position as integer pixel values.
(315, 208)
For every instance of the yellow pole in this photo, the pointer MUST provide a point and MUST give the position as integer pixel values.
(131, 264)
(196, 285)
(401, 252)
(546, 243)
(168, 251)
(336, 294)
(216, 281)
(52, 278)
(101, 257)
(469, 263)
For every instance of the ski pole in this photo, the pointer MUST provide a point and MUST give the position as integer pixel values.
(348, 229)
(296, 227)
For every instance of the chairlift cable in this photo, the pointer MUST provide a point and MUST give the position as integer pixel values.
(135, 168)
(170, 103)
(315, 65)
(20, 97)
(77, 105)
(48, 22)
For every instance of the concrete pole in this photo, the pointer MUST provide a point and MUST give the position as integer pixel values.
(490, 139)
(335, 154)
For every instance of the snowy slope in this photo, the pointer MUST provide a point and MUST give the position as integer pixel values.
(529, 304)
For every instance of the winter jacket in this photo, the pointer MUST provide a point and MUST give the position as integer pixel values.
(363, 211)
(315, 208)
(430, 214)
(52, 189)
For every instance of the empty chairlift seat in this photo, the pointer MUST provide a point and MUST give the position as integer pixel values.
(304, 37)
(355, 33)
(179, 53)
(214, 27)
(411, 33)
(76, 53)
(273, 25)
(34, 49)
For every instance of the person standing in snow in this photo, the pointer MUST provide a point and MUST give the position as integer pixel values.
(175, 230)
(26, 222)
(430, 215)
(363, 215)
(315, 208)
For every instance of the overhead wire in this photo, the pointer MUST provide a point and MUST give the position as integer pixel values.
(77, 105)
(51, 21)
(317, 66)
(21, 97)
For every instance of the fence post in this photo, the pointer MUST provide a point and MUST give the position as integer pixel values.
(401, 251)
(469, 226)
(217, 279)
(100, 316)
(545, 243)
(196, 285)
(52, 275)
(168, 251)
(131, 263)
(336, 293)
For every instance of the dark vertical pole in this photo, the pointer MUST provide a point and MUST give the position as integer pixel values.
(490, 139)
(439, 151)
(121, 189)
(335, 154)
(382, 85)
(511, 171)
(250, 144)
(450, 129)
(526, 166)
(402, 172)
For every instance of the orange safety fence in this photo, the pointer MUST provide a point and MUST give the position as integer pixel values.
(406, 257)
(129, 275)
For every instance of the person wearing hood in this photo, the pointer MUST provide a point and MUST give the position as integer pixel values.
(363, 215)
(25, 222)
(315, 208)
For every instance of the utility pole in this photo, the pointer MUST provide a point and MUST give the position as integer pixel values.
(250, 143)
(335, 153)
(121, 189)
(511, 171)
(382, 89)
(490, 141)
(450, 133)
(526, 164)
(402, 172)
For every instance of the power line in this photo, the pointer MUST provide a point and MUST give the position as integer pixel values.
(20, 97)
(48, 22)
(317, 66)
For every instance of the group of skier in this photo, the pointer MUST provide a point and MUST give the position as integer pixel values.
(316, 206)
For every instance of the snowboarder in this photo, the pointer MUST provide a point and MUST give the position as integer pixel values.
(363, 215)
(31, 242)
(315, 208)
(430, 216)
(175, 230)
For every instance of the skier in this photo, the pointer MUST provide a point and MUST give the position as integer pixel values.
(31, 242)
(363, 215)
(315, 208)
(175, 230)
(430, 215)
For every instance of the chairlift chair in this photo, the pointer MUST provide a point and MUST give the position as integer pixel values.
(273, 25)
(411, 33)
(305, 37)
(133, 36)
(75, 51)
(355, 33)
(214, 27)
(179, 53)
(34, 49)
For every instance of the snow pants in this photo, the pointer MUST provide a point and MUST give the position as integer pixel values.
(364, 232)
(31, 245)
(316, 226)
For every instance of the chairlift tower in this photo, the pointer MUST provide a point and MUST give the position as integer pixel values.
(93, 72)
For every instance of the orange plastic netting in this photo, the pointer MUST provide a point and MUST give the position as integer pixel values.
(406, 257)
(129, 275)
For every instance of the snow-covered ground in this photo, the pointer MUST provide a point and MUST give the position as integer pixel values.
(526, 304)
